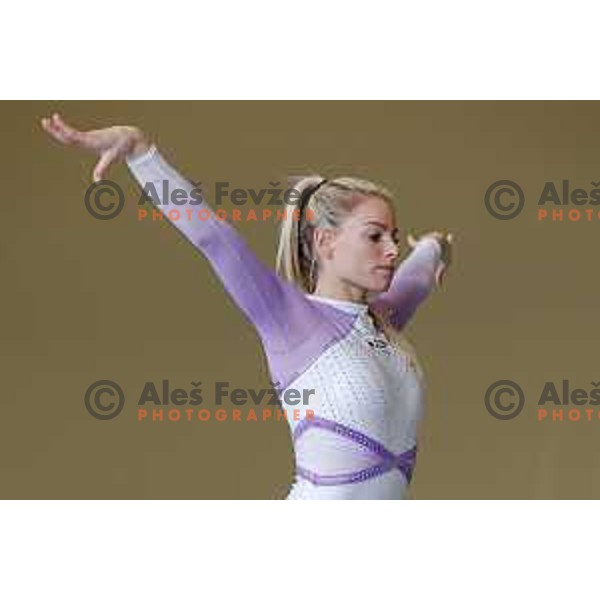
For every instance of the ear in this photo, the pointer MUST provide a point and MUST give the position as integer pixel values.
(324, 242)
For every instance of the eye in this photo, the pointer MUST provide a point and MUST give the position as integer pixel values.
(375, 236)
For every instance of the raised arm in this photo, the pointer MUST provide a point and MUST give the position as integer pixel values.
(413, 281)
(267, 300)
(279, 311)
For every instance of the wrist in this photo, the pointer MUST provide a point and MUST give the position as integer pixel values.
(140, 144)
(443, 244)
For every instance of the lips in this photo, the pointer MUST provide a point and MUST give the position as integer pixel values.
(388, 271)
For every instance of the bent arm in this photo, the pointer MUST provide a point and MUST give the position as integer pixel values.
(413, 281)
(263, 297)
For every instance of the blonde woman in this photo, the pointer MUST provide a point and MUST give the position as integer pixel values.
(330, 321)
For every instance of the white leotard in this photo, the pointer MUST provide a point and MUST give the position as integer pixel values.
(368, 392)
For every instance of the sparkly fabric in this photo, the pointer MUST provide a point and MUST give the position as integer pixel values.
(383, 458)
(368, 393)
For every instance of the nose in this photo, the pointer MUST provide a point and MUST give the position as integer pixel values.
(391, 250)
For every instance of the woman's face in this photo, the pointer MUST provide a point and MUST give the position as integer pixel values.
(363, 251)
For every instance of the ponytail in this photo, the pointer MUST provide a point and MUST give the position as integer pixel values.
(328, 202)
(323, 203)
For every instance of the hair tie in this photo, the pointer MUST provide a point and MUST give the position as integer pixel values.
(308, 193)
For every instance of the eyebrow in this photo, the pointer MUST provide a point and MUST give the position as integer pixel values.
(382, 225)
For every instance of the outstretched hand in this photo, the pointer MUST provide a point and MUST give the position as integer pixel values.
(446, 240)
(112, 144)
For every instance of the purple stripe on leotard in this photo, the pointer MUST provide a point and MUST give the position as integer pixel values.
(404, 462)
(295, 331)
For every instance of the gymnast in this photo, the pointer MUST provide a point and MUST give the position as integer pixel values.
(330, 318)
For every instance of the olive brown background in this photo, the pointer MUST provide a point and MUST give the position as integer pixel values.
(130, 301)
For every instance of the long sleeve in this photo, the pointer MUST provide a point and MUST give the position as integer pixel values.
(268, 301)
(412, 282)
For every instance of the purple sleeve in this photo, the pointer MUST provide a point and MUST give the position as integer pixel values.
(264, 297)
(412, 282)
(294, 331)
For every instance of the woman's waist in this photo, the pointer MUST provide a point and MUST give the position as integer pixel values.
(330, 452)
(388, 486)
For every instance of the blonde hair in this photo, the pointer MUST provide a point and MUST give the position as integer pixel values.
(328, 206)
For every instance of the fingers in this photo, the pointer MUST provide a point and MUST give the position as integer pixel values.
(60, 131)
(48, 125)
(70, 133)
(106, 159)
(412, 241)
(440, 274)
(440, 235)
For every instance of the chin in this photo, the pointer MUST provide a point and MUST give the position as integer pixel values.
(382, 284)
(377, 287)
(382, 288)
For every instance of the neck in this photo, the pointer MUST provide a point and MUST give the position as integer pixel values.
(340, 290)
